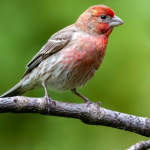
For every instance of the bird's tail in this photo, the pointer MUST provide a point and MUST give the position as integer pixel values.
(16, 90)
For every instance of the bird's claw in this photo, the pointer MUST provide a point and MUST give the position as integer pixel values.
(88, 102)
(48, 103)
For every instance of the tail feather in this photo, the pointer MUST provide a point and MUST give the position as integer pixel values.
(16, 90)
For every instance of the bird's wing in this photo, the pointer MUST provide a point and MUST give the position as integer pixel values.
(56, 42)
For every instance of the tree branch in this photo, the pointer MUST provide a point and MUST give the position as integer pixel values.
(142, 145)
(89, 114)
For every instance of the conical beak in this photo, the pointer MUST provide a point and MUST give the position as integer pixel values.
(116, 21)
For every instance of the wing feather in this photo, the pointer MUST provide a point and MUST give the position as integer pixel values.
(56, 42)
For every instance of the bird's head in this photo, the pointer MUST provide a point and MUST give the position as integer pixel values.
(98, 19)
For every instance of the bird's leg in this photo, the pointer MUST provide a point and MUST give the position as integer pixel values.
(84, 98)
(81, 96)
(47, 98)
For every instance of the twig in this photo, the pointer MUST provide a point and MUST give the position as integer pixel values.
(142, 145)
(89, 114)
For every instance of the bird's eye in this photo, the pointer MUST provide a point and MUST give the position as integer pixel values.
(103, 16)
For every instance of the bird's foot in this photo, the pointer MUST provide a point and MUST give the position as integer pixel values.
(88, 102)
(48, 103)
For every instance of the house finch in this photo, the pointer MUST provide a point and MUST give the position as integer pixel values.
(71, 56)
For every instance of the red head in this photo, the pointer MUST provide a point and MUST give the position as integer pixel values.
(98, 19)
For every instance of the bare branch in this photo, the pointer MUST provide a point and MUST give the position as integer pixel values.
(89, 114)
(142, 145)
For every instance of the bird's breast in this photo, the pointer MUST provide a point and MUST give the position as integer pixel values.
(85, 52)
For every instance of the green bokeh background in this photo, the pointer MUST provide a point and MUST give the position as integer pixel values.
(122, 83)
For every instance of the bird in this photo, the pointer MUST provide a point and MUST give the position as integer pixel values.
(71, 56)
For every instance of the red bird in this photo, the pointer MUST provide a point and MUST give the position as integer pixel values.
(71, 56)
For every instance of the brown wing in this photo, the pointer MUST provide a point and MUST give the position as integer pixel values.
(56, 42)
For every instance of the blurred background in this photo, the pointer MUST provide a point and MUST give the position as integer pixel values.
(122, 83)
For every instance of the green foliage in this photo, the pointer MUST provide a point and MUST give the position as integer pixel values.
(122, 82)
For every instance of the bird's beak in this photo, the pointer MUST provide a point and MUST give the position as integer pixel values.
(116, 21)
